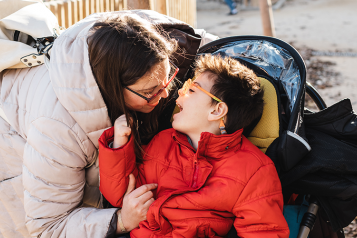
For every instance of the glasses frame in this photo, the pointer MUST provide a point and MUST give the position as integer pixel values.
(186, 86)
(161, 90)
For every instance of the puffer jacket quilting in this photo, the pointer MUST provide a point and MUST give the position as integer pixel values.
(200, 193)
(55, 188)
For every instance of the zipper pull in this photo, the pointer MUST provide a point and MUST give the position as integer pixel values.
(195, 174)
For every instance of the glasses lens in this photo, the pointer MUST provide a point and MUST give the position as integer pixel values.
(186, 86)
(168, 84)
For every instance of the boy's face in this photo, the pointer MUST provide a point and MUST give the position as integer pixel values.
(195, 106)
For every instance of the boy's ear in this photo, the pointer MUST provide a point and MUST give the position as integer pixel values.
(220, 111)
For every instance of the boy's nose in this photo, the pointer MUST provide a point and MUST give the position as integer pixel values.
(180, 92)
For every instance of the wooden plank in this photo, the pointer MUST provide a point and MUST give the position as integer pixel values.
(107, 7)
(67, 13)
(91, 6)
(111, 5)
(160, 6)
(54, 8)
(139, 4)
(85, 8)
(151, 5)
(125, 4)
(267, 17)
(101, 6)
(178, 8)
(97, 5)
(117, 6)
(80, 10)
(184, 10)
(193, 21)
(74, 5)
(60, 14)
(168, 8)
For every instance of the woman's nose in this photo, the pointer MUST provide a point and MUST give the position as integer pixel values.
(165, 93)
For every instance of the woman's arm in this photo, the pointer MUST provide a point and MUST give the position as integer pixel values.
(54, 182)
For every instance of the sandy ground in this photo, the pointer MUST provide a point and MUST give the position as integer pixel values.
(309, 25)
(319, 25)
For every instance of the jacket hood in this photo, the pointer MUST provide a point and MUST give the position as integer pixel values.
(30, 18)
(73, 80)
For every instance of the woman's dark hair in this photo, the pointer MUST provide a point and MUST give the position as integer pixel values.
(237, 86)
(123, 48)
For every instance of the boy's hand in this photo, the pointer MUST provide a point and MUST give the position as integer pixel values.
(122, 132)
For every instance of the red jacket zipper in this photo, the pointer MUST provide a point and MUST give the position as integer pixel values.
(195, 174)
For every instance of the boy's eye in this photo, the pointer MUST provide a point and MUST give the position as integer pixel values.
(191, 90)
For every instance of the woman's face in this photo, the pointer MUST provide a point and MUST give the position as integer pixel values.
(148, 85)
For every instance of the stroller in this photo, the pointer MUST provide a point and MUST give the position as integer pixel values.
(317, 188)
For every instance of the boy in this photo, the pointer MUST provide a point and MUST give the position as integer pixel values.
(209, 175)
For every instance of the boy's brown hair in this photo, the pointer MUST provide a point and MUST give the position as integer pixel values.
(237, 86)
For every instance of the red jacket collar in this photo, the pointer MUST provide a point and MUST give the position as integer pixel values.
(210, 144)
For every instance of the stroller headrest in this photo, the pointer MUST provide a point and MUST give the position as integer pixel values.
(267, 129)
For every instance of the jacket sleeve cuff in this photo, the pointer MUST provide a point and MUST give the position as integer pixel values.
(115, 165)
(114, 162)
(111, 233)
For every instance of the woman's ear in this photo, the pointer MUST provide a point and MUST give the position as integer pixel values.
(220, 111)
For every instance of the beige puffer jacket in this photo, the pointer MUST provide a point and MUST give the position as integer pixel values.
(48, 144)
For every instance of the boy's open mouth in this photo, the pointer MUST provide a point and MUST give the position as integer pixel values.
(179, 106)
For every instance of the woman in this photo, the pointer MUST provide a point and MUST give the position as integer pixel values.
(100, 68)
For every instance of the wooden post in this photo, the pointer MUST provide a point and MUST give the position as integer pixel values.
(53, 8)
(61, 15)
(74, 10)
(80, 9)
(91, 7)
(266, 13)
(86, 8)
(139, 4)
(67, 10)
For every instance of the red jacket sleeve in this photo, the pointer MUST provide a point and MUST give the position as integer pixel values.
(115, 165)
(259, 209)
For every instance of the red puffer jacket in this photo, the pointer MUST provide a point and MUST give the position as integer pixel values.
(200, 193)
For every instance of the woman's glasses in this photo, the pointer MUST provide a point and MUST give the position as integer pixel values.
(173, 72)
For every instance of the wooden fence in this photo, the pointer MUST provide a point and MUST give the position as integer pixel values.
(69, 12)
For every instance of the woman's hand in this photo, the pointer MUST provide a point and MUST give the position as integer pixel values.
(136, 204)
(122, 132)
